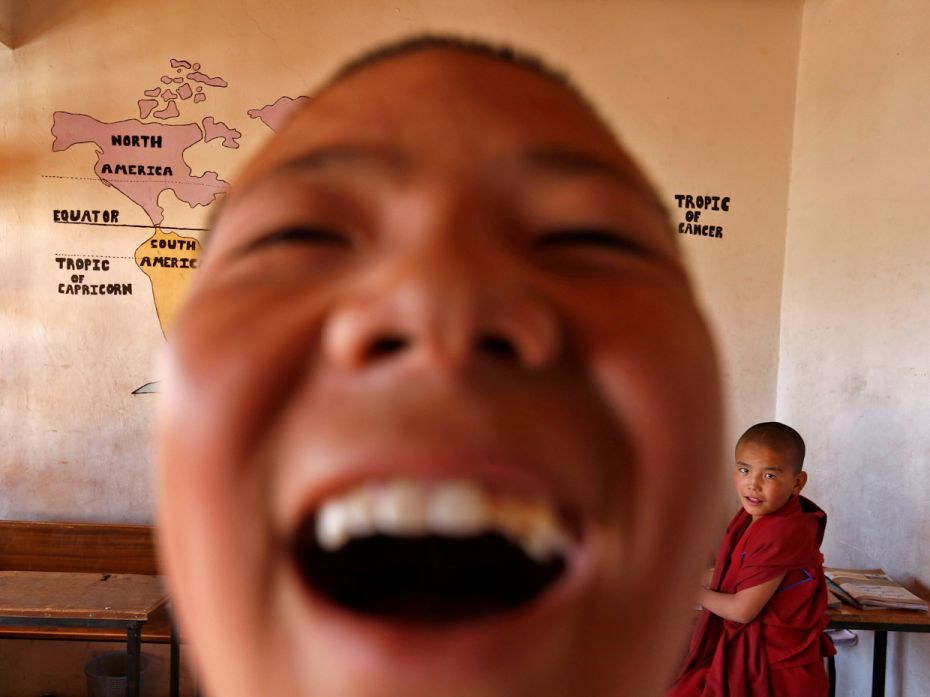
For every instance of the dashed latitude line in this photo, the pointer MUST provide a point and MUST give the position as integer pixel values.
(132, 181)
(91, 256)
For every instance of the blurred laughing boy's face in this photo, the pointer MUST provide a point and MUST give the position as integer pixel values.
(440, 416)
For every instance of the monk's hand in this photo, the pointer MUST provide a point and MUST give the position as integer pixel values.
(707, 578)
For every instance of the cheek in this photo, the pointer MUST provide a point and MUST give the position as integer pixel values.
(654, 360)
(234, 358)
(660, 372)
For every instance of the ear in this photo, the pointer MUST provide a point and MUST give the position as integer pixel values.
(799, 481)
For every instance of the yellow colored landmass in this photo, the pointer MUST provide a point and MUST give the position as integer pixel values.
(168, 260)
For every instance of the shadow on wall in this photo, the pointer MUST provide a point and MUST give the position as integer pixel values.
(25, 21)
(859, 439)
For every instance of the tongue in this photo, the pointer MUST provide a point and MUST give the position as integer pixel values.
(429, 579)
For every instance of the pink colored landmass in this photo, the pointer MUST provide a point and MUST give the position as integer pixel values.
(167, 80)
(199, 97)
(178, 80)
(168, 94)
(146, 106)
(154, 92)
(143, 189)
(207, 80)
(169, 112)
(216, 129)
(180, 64)
(275, 115)
(185, 91)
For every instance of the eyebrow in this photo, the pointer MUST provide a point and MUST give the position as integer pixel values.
(777, 468)
(564, 161)
(340, 155)
(373, 156)
(574, 162)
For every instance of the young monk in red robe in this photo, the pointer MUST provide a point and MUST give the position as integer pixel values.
(760, 633)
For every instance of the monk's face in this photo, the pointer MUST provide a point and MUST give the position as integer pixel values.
(441, 411)
(764, 479)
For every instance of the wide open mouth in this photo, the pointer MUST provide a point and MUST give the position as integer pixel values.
(430, 553)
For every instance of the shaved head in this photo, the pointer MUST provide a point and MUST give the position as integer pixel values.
(422, 42)
(777, 437)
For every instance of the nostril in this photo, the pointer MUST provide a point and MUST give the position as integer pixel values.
(496, 346)
(385, 346)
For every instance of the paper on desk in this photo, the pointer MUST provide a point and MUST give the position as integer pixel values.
(873, 588)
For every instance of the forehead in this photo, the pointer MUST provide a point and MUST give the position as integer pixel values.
(449, 110)
(750, 453)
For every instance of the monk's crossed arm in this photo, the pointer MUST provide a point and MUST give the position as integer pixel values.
(744, 605)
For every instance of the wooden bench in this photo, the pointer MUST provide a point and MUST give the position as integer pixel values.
(82, 548)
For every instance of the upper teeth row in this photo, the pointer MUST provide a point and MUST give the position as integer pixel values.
(410, 508)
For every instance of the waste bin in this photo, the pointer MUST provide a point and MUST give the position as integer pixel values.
(106, 674)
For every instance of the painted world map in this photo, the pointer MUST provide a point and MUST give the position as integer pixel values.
(146, 157)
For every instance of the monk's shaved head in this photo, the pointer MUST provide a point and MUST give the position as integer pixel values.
(777, 437)
(422, 42)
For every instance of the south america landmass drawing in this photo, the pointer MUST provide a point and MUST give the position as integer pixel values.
(144, 157)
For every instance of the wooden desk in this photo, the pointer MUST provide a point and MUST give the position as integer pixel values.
(881, 622)
(62, 599)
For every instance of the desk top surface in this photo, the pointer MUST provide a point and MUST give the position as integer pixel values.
(847, 615)
(82, 596)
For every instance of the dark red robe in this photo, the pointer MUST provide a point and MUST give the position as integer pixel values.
(779, 653)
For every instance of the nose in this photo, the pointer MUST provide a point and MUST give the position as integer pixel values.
(444, 315)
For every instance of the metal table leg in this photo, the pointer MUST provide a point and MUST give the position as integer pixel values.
(879, 657)
(175, 689)
(134, 651)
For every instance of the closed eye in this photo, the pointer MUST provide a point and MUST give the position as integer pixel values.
(591, 238)
(303, 235)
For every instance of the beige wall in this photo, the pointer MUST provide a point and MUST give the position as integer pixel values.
(703, 92)
(855, 328)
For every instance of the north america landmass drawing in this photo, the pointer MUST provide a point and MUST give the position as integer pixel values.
(144, 157)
